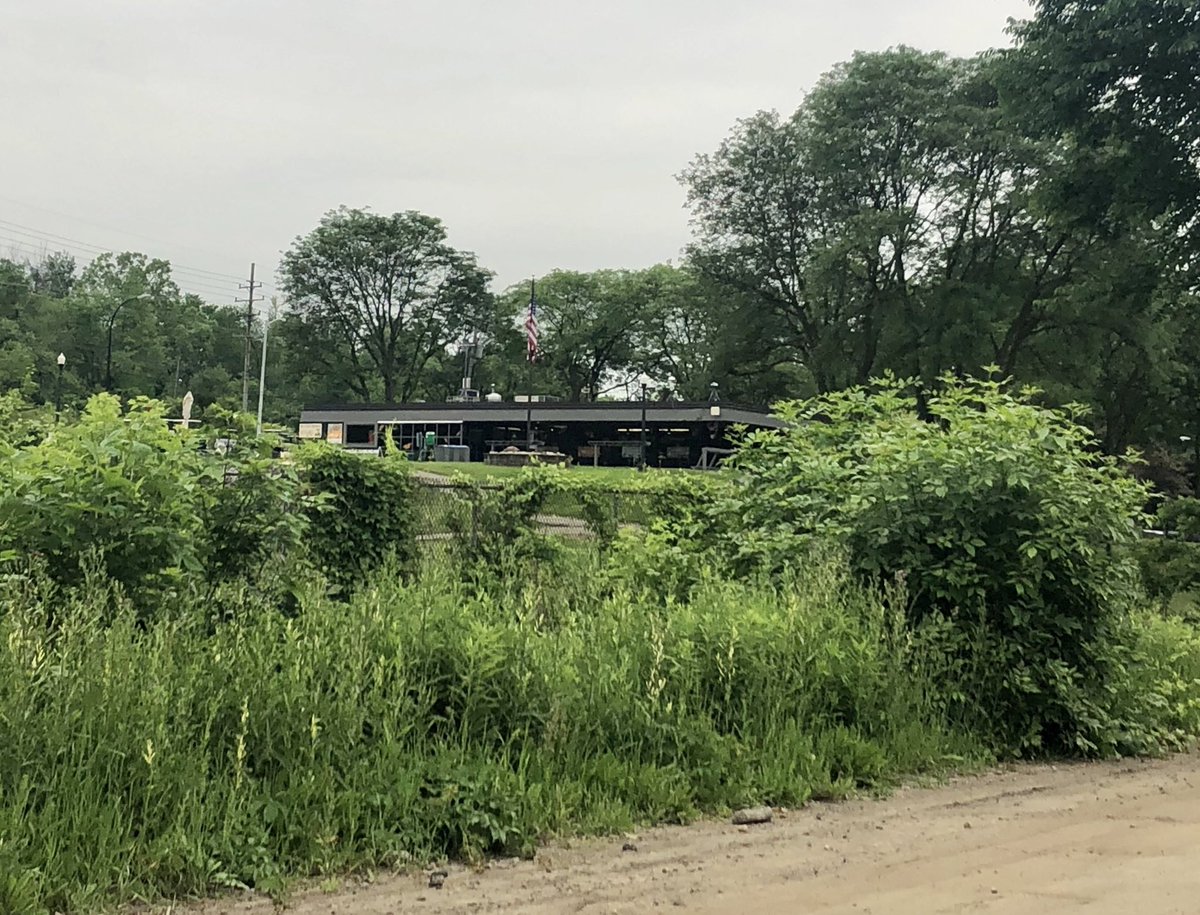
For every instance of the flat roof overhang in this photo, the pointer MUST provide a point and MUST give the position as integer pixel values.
(514, 412)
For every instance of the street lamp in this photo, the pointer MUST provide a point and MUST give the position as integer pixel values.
(644, 380)
(1184, 439)
(62, 362)
(111, 319)
(268, 317)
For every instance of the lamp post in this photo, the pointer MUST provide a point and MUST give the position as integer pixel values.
(642, 462)
(111, 320)
(1195, 442)
(262, 366)
(714, 417)
(62, 362)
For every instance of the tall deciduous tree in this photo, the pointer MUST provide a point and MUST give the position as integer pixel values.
(390, 290)
(587, 326)
(693, 332)
(140, 351)
(1114, 87)
(901, 220)
(887, 222)
(54, 275)
(164, 342)
(1121, 80)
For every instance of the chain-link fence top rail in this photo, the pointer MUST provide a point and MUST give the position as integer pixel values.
(447, 514)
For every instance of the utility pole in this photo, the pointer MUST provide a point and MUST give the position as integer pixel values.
(249, 300)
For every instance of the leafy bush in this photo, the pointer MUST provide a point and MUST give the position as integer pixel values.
(359, 511)
(156, 512)
(252, 521)
(120, 485)
(495, 523)
(498, 529)
(1009, 528)
(165, 511)
(627, 678)
(1156, 699)
(22, 423)
(1170, 564)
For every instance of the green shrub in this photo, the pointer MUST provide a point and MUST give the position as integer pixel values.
(119, 485)
(1004, 520)
(496, 522)
(359, 510)
(22, 423)
(1170, 565)
(867, 594)
(1156, 698)
(496, 527)
(157, 513)
(252, 522)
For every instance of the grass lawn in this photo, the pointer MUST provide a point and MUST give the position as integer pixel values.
(439, 506)
(479, 471)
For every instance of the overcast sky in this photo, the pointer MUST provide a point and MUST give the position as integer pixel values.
(545, 134)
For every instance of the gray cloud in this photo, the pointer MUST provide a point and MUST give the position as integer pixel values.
(545, 134)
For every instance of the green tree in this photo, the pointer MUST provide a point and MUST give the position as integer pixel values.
(890, 223)
(306, 365)
(138, 290)
(164, 342)
(693, 332)
(909, 218)
(1120, 79)
(1113, 88)
(587, 323)
(17, 360)
(54, 275)
(390, 290)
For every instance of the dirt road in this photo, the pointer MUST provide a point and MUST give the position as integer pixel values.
(1107, 838)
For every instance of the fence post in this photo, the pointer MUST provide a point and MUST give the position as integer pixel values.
(616, 509)
(474, 519)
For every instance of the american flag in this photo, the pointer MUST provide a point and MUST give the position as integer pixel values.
(531, 328)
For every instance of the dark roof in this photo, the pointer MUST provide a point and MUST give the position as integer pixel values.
(515, 411)
(541, 405)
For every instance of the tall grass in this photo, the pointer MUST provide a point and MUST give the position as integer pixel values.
(426, 718)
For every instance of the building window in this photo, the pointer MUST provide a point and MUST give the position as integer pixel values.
(360, 435)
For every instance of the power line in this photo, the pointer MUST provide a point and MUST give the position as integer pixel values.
(90, 252)
(32, 247)
(183, 280)
(105, 226)
(65, 238)
(42, 235)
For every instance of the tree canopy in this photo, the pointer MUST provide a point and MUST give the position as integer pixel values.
(389, 290)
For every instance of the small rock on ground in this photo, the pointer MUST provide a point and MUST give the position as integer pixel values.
(750, 815)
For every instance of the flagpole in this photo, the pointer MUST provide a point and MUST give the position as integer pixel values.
(529, 375)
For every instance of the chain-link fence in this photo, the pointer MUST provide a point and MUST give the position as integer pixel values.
(449, 515)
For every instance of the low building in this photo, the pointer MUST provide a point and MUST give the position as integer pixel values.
(605, 434)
